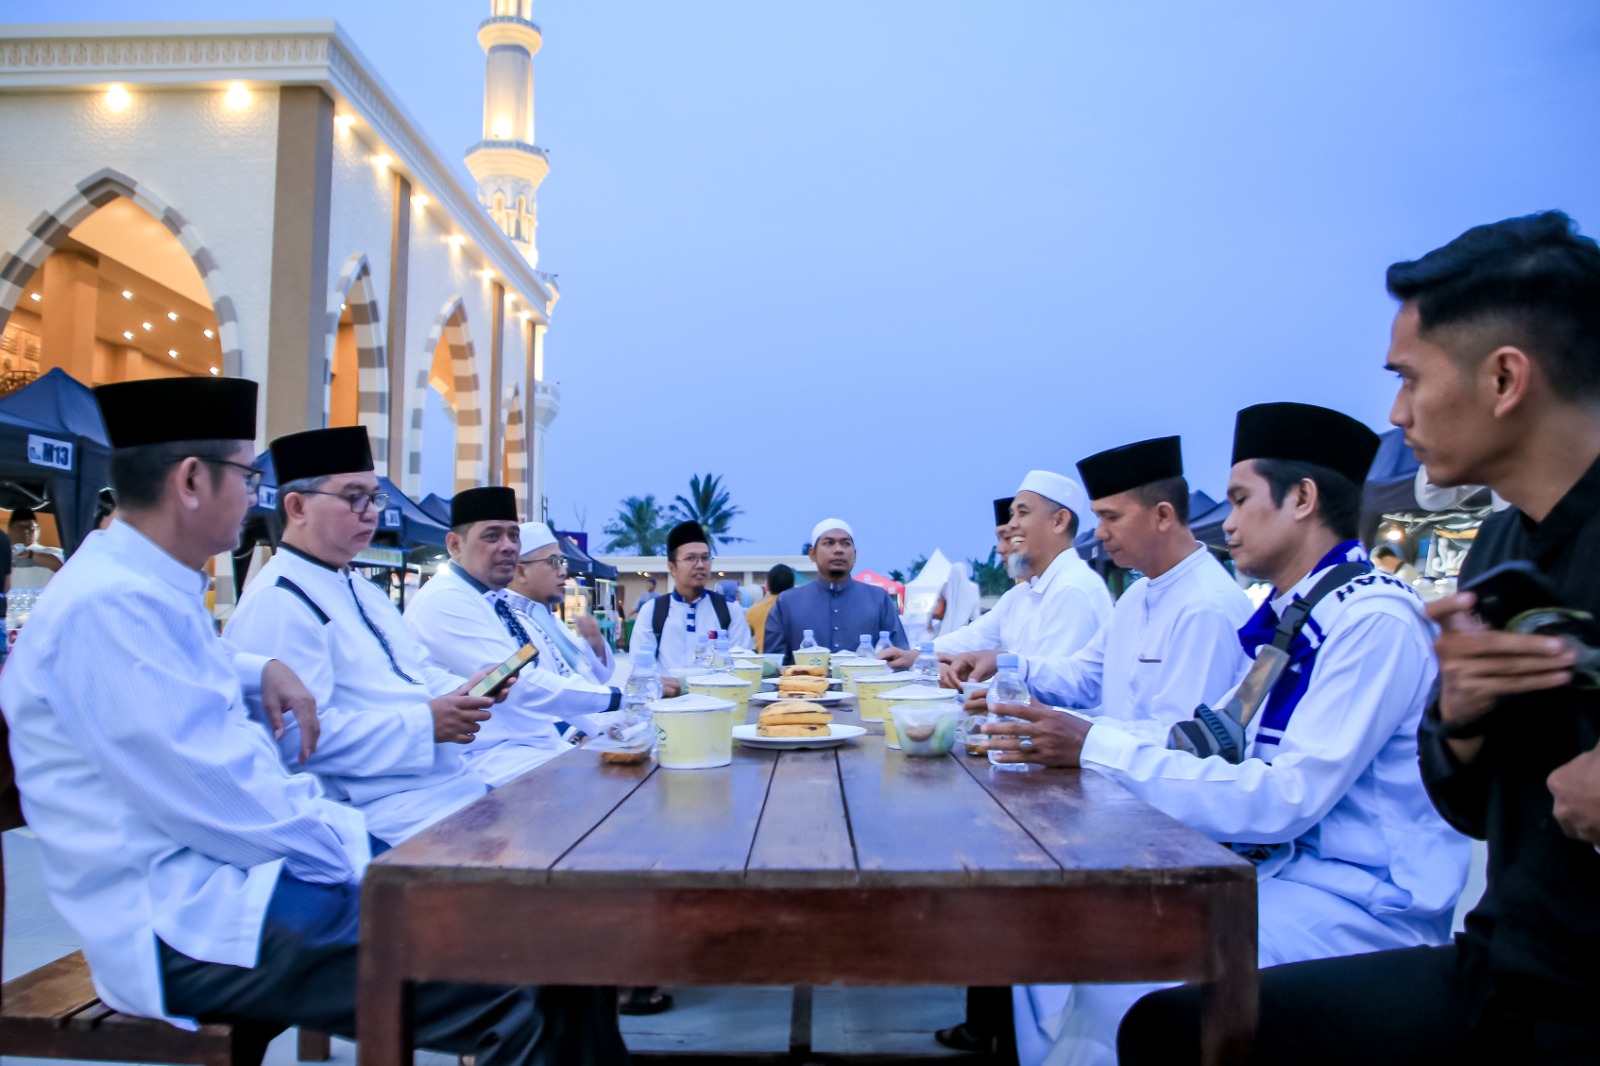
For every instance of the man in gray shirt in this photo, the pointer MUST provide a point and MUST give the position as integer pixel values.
(836, 608)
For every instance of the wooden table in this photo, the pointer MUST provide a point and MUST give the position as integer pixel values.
(849, 866)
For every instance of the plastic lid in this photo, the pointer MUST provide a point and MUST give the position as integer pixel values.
(917, 692)
(888, 675)
(716, 679)
(693, 702)
(1006, 660)
(746, 664)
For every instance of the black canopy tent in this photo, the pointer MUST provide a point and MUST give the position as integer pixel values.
(55, 456)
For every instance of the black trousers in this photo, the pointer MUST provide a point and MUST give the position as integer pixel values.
(1403, 1007)
(307, 977)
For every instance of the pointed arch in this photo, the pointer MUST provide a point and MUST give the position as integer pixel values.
(516, 460)
(355, 290)
(49, 230)
(450, 329)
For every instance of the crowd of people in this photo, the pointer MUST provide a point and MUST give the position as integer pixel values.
(206, 807)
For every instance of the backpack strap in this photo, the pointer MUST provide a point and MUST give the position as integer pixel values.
(662, 606)
(1297, 613)
(719, 603)
(295, 590)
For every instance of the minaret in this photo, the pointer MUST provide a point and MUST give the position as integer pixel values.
(507, 164)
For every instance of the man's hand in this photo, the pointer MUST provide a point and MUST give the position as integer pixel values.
(1478, 665)
(589, 630)
(282, 690)
(1576, 788)
(971, 666)
(1054, 738)
(457, 717)
(671, 688)
(899, 658)
(977, 701)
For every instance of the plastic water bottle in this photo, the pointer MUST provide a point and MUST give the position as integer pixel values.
(864, 649)
(927, 665)
(702, 651)
(1008, 687)
(643, 687)
(720, 659)
(809, 642)
(884, 643)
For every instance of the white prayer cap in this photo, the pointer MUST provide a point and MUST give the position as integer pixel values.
(1058, 489)
(830, 523)
(535, 535)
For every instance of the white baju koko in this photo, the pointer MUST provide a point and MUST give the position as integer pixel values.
(684, 622)
(560, 648)
(453, 616)
(376, 750)
(1352, 856)
(161, 808)
(1051, 616)
(1171, 644)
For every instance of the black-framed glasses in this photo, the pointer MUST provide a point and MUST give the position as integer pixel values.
(358, 501)
(694, 560)
(252, 476)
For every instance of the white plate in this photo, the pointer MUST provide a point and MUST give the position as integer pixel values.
(746, 735)
(772, 682)
(773, 697)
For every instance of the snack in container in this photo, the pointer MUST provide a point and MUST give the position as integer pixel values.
(932, 699)
(627, 738)
(793, 718)
(926, 727)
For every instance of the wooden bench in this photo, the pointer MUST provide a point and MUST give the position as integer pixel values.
(54, 1011)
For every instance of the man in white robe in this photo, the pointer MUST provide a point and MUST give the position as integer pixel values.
(204, 880)
(1327, 799)
(540, 577)
(687, 612)
(464, 618)
(393, 725)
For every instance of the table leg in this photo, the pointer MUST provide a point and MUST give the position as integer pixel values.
(800, 1024)
(1228, 1019)
(383, 998)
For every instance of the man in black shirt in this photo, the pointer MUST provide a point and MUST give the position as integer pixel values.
(1497, 346)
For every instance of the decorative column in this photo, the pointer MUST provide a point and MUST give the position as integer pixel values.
(507, 164)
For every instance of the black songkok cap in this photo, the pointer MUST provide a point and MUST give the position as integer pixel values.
(492, 503)
(686, 533)
(1002, 512)
(1305, 433)
(168, 410)
(321, 452)
(1130, 466)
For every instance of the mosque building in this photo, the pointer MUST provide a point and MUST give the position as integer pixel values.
(249, 198)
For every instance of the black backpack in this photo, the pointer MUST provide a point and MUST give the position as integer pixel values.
(663, 606)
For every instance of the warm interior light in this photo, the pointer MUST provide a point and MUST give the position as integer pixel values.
(501, 130)
(1395, 534)
(36, 297)
(344, 307)
(117, 98)
(215, 371)
(127, 334)
(487, 272)
(344, 122)
(173, 352)
(209, 334)
(525, 315)
(172, 316)
(237, 97)
(420, 200)
(382, 160)
(126, 295)
(145, 324)
(457, 239)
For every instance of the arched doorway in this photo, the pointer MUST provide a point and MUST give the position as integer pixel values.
(450, 405)
(514, 465)
(358, 367)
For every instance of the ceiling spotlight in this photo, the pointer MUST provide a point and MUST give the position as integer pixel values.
(487, 272)
(457, 239)
(117, 98)
(127, 295)
(35, 297)
(209, 334)
(215, 371)
(127, 335)
(525, 315)
(172, 316)
(345, 121)
(146, 325)
(344, 307)
(383, 160)
(237, 97)
(420, 200)
(173, 352)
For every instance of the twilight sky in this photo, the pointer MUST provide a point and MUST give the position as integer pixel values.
(880, 259)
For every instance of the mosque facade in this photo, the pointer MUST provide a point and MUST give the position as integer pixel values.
(249, 199)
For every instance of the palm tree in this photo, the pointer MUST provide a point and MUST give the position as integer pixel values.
(990, 575)
(709, 504)
(638, 525)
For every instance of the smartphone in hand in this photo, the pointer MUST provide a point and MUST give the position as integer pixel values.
(492, 682)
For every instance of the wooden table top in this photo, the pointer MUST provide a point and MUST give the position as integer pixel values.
(857, 816)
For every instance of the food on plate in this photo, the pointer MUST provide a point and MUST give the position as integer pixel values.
(814, 686)
(626, 758)
(793, 718)
(805, 671)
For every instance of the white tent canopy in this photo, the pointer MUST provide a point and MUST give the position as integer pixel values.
(922, 592)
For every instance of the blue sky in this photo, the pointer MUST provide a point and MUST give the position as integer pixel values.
(880, 259)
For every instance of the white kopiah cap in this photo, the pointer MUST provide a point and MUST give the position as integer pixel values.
(830, 523)
(1059, 489)
(535, 535)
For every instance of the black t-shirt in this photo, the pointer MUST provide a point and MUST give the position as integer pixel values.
(5, 568)
(1532, 946)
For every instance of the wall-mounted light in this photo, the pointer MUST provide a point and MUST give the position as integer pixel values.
(500, 130)
(127, 295)
(525, 315)
(457, 239)
(215, 371)
(172, 316)
(237, 97)
(127, 335)
(35, 297)
(420, 200)
(487, 273)
(344, 122)
(383, 160)
(117, 98)
(173, 352)
(208, 334)
(146, 325)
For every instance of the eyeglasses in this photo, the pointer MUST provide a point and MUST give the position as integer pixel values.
(358, 501)
(252, 476)
(555, 562)
(694, 560)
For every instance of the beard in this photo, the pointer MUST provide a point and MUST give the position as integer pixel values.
(1016, 566)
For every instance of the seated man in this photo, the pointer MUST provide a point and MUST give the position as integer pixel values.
(1494, 343)
(780, 579)
(836, 608)
(1327, 801)
(668, 626)
(392, 725)
(463, 618)
(205, 881)
(582, 666)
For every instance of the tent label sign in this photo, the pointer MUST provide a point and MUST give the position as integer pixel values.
(267, 496)
(390, 517)
(46, 451)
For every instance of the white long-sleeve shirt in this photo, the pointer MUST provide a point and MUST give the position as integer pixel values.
(1172, 643)
(1339, 800)
(1051, 616)
(162, 809)
(454, 619)
(589, 666)
(677, 640)
(376, 751)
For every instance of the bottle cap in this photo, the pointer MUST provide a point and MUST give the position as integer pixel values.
(1006, 660)
(926, 645)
